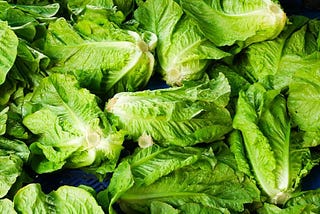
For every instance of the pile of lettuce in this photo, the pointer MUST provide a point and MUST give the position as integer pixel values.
(181, 106)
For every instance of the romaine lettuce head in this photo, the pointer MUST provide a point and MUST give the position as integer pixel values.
(104, 58)
(184, 180)
(183, 52)
(72, 131)
(275, 153)
(273, 63)
(66, 199)
(187, 115)
(230, 22)
(13, 154)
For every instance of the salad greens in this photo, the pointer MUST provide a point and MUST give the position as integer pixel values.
(66, 199)
(305, 112)
(9, 43)
(264, 123)
(183, 51)
(274, 62)
(13, 155)
(184, 116)
(6, 206)
(231, 126)
(104, 58)
(228, 22)
(198, 179)
(74, 132)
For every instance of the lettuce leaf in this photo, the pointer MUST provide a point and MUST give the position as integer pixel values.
(229, 22)
(125, 6)
(74, 132)
(66, 199)
(28, 21)
(6, 206)
(108, 63)
(209, 183)
(275, 153)
(304, 104)
(182, 51)
(78, 6)
(184, 116)
(274, 62)
(303, 202)
(13, 154)
(9, 45)
(3, 120)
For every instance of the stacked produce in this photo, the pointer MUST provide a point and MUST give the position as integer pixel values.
(234, 126)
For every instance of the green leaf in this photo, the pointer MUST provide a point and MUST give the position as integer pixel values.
(303, 102)
(238, 149)
(126, 6)
(102, 65)
(162, 208)
(183, 52)
(15, 128)
(165, 160)
(27, 20)
(30, 65)
(6, 206)
(74, 131)
(274, 62)
(228, 22)
(297, 209)
(12, 156)
(277, 158)
(310, 197)
(209, 182)
(40, 12)
(3, 120)
(187, 115)
(66, 199)
(11, 167)
(8, 53)
(197, 208)
(16, 147)
(122, 180)
(236, 81)
(304, 202)
(78, 6)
